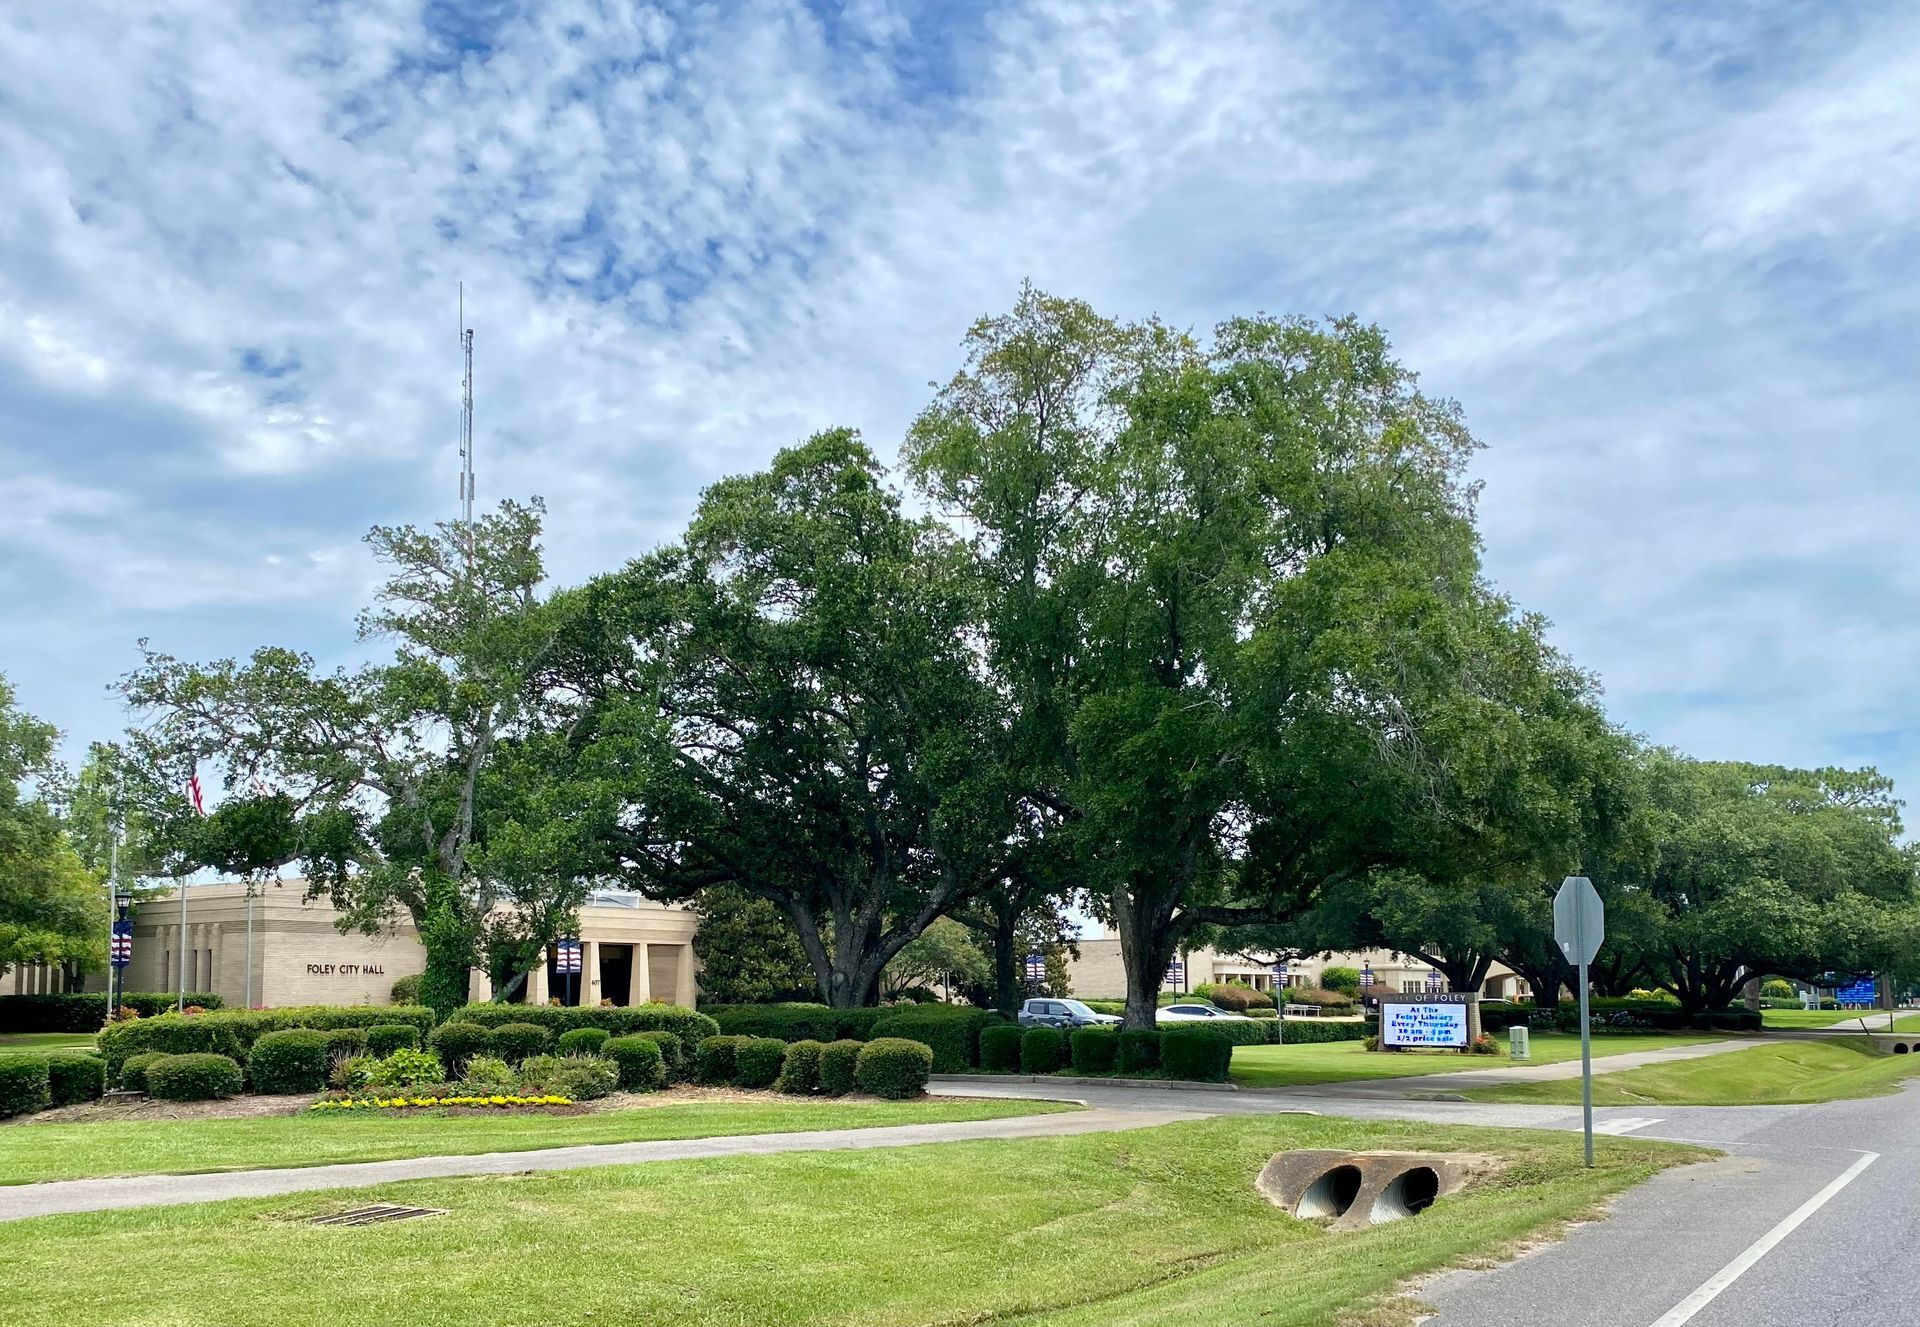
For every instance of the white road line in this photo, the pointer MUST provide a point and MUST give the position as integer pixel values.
(1754, 1252)
(1627, 1124)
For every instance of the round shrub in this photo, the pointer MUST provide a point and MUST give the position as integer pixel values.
(489, 1075)
(1095, 1050)
(800, 1068)
(406, 990)
(195, 1076)
(456, 1042)
(1042, 1050)
(756, 1062)
(640, 1060)
(74, 1078)
(1000, 1048)
(24, 1086)
(1774, 988)
(582, 1077)
(514, 1042)
(291, 1061)
(894, 1067)
(713, 1061)
(1345, 980)
(405, 1068)
(1196, 1054)
(952, 1031)
(345, 1043)
(838, 1065)
(1139, 1050)
(386, 1038)
(582, 1041)
(133, 1073)
(673, 1054)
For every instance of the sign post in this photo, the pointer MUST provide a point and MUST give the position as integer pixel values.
(1579, 925)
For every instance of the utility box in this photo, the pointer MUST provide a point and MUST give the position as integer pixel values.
(1519, 1042)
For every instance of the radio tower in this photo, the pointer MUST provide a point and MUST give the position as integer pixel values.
(466, 431)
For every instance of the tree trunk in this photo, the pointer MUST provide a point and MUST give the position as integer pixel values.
(1147, 944)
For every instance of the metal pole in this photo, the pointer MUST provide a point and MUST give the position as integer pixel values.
(183, 946)
(1586, 1066)
(249, 944)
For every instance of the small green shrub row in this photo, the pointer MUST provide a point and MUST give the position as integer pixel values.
(1234, 996)
(1199, 1052)
(232, 1032)
(616, 1020)
(893, 1067)
(86, 1011)
(1300, 1031)
(195, 1076)
(796, 1021)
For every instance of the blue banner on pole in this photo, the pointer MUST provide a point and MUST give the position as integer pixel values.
(566, 954)
(122, 944)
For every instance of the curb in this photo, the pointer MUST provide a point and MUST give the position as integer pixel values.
(1164, 1084)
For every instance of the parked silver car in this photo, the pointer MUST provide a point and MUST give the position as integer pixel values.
(1052, 1013)
(1198, 1013)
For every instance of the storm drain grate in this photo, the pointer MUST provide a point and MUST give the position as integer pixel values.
(368, 1216)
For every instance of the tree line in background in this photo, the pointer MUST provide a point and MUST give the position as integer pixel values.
(1195, 639)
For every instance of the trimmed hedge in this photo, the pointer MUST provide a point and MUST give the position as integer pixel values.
(715, 1059)
(951, 1031)
(195, 1076)
(1252, 1032)
(618, 1020)
(796, 1021)
(386, 1038)
(1139, 1050)
(24, 1085)
(582, 1041)
(1000, 1047)
(758, 1060)
(673, 1054)
(1094, 1050)
(1197, 1054)
(1301, 1032)
(839, 1063)
(456, 1041)
(514, 1042)
(86, 1011)
(639, 1058)
(894, 1067)
(76, 1077)
(1234, 996)
(1042, 1050)
(292, 1061)
(345, 1043)
(800, 1068)
(232, 1032)
(133, 1074)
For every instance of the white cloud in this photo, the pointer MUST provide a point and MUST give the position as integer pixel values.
(1662, 258)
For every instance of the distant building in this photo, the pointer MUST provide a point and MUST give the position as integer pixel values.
(1098, 974)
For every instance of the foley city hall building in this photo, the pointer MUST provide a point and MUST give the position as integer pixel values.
(273, 947)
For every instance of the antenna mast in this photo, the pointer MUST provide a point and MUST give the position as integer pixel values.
(466, 431)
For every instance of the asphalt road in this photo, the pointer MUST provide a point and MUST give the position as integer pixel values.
(1730, 1243)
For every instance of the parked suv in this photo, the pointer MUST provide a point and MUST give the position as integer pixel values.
(1060, 1014)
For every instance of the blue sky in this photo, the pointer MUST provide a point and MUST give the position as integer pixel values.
(1663, 255)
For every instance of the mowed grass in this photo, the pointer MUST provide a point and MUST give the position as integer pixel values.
(1151, 1226)
(1348, 1061)
(43, 1042)
(32, 1152)
(1781, 1073)
(1907, 1023)
(1808, 1018)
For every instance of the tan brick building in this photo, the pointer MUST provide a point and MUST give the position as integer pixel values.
(273, 948)
(1099, 975)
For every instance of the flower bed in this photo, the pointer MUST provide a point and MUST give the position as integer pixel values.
(499, 1100)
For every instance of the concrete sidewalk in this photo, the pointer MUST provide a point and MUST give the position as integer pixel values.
(19, 1201)
(1502, 1076)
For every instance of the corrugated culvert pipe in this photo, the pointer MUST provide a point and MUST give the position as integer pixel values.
(1330, 1195)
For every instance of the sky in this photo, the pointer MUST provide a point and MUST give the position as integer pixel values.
(1663, 256)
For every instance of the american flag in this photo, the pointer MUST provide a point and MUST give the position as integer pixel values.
(193, 792)
(1434, 980)
(1366, 976)
(1036, 967)
(122, 953)
(567, 954)
(1175, 970)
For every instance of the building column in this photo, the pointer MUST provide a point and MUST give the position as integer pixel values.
(537, 981)
(479, 986)
(589, 973)
(684, 971)
(19, 979)
(640, 981)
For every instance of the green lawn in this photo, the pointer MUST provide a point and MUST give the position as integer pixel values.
(1345, 1061)
(31, 1152)
(1907, 1023)
(1155, 1226)
(42, 1042)
(1784, 1072)
(1806, 1018)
